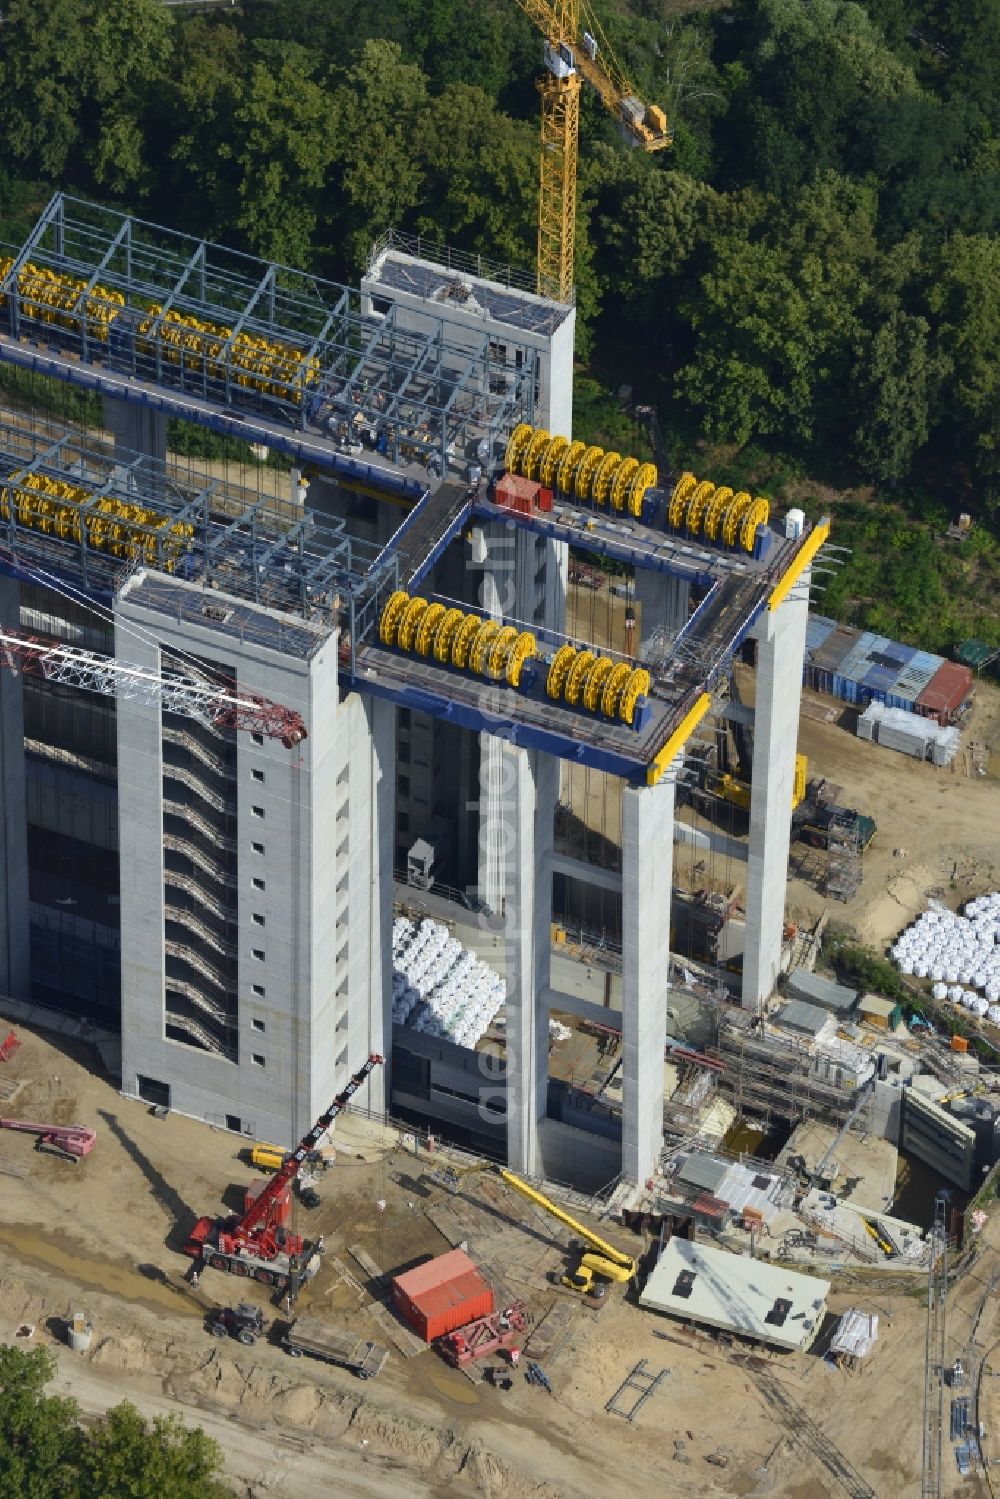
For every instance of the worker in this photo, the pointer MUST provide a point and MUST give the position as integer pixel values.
(320, 1244)
(514, 1356)
(195, 1277)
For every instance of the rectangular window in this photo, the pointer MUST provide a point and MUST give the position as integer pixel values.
(235, 1123)
(258, 919)
(258, 1025)
(258, 1060)
(258, 989)
(258, 953)
(258, 775)
(403, 785)
(257, 738)
(258, 848)
(257, 811)
(257, 882)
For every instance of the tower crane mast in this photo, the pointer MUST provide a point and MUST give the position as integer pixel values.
(576, 50)
(214, 705)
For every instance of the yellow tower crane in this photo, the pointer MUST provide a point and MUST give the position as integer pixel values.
(572, 54)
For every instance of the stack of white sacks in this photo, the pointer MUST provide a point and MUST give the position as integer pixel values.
(438, 986)
(961, 954)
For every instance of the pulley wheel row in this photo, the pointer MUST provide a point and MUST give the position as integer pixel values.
(581, 678)
(453, 638)
(579, 472)
(714, 511)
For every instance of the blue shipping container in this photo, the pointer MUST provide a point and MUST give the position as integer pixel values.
(817, 629)
(914, 677)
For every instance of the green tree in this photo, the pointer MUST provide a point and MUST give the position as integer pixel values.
(894, 381)
(39, 1436)
(287, 147)
(75, 80)
(126, 1457)
(376, 113)
(964, 299)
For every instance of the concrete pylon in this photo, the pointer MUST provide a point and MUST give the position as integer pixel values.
(647, 878)
(781, 637)
(15, 970)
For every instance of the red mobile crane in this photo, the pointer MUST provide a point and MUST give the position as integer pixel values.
(255, 1245)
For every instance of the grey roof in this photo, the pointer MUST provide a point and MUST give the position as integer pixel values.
(703, 1171)
(799, 1016)
(455, 288)
(739, 1294)
(818, 990)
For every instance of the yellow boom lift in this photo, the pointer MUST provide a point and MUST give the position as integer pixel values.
(601, 1262)
(576, 49)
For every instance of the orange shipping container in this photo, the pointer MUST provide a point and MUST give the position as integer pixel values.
(959, 1043)
(441, 1295)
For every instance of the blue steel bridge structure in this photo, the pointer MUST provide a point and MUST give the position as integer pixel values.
(274, 356)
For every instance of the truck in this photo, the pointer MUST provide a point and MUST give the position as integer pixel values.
(334, 1345)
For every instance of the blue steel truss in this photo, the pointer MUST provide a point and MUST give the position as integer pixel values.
(360, 378)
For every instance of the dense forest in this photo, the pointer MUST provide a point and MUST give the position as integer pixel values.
(807, 285)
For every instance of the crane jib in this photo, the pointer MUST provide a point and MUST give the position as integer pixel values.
(258, 1211)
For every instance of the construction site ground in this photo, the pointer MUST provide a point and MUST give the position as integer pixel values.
(103, 1236)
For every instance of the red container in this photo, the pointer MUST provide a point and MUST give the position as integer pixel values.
(946, 692)
(441, 1295)
(281, 1208)
(544, 500)
(515, 493)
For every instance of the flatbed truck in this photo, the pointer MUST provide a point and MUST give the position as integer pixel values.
(334, 1345)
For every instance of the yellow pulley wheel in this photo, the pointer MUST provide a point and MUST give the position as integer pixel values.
(523, 649)
(601, 483)
(585, 471)
(395, 605)
(558, 671)
(697, 505)
(576, 675)
(516, 444)
(445, 634)
(592, 687)
(463, 639)
(683, 490)
(613, 689)
(408, 623)
(644, 479)
(738, 507)
(716, 509)
(757, 515)
(532, 456)
(477, 653)
(620, 481)
(429, 621)
(637, 686)
(567, 466)
(551, 458)
(499, 651)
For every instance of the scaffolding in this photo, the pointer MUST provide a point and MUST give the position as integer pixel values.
(843, 860)
(157, 306)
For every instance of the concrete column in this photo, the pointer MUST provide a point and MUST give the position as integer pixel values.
(782, 638)
(137, 430)
(647, 877)
(663, 601)
(526, 809)
(15, 948)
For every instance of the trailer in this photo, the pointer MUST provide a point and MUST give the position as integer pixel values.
(334, 1345)
(484, 1336)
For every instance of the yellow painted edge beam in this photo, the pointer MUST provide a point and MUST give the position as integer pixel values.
(678, 739)
(806, 553)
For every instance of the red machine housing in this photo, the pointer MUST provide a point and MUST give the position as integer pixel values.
(485, 1336)
(522, 495)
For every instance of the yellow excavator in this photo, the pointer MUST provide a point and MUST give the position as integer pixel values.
(601, 1263)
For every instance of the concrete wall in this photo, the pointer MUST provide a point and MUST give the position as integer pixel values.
(15, 978)
(315, 903)
(781, 635)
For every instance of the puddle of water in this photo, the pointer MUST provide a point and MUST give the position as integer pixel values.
(453, 1386)
(102, 1275)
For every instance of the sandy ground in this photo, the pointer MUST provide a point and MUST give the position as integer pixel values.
(102, 1236)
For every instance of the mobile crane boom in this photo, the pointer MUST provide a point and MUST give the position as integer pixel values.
(254, 1244)
(606, 1262)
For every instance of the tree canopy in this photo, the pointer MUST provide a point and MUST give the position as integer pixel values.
(46, 1454)
(812, 268)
